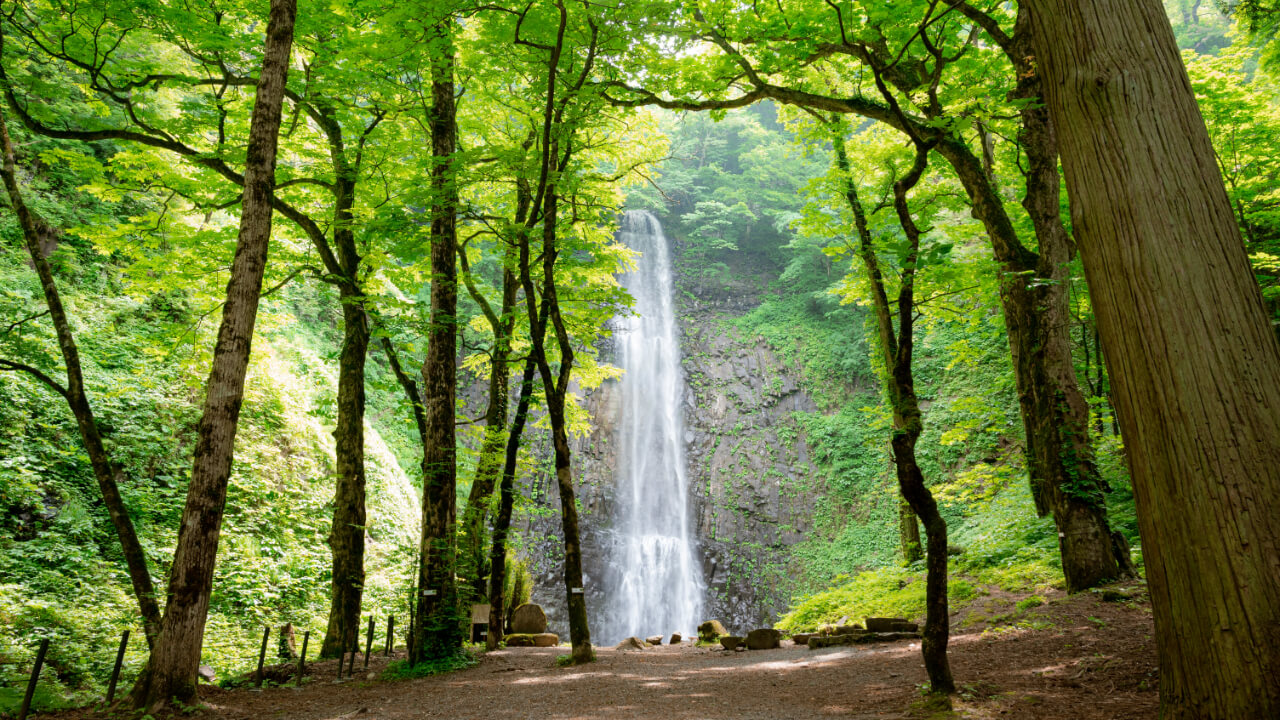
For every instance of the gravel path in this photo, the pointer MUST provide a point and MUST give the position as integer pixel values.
(1074, 659)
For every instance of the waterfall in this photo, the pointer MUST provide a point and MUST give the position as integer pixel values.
(654, 584)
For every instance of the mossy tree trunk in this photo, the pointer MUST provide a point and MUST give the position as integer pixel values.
(489, 467)
(439, 625)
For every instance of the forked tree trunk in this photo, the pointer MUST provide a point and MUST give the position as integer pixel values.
(37, 233)
(1195, 367)
(556, 389)
(171, 670)
(439, 629)
(897, 345)
(1065, 476)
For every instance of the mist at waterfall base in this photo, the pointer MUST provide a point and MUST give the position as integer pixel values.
(654, 581)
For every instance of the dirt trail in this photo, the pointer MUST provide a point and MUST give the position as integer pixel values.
(1075, 659)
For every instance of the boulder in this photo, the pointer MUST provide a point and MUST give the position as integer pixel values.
(528, 619)
(710, 630)
(880, 624)
(904, 627)
(206, 674)
(532, 640)
(631, 643)
(802, 638)
(764, 639)
(676, 638)
(730, 642)
(654, 639)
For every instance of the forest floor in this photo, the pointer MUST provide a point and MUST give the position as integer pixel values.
(1075, 658)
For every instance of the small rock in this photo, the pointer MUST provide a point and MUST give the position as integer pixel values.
(206, 673)
(528, 619)
(631, 643)
(764, 639)
(676, 639)
(654, 639)
(710, 630)
(731, 642)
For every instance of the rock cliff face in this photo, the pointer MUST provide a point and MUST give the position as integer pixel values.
(751, 482)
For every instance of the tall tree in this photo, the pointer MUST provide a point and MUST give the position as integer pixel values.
(171, 670)
(438, 625)
(557, 151)
(896, 329)
(1194, 364)
(39, 234)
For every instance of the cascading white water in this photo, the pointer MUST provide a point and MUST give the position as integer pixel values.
(654, 583)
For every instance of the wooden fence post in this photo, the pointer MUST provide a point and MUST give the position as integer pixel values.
(391, 633)
(368, 644)
(302, 658)
(262, 655)
(35, 677)
(115, 671)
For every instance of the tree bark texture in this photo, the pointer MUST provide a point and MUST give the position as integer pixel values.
(171, 670)
(439, 625)
(38, 234)
(909, 533)
(1195, 367)
(347, 531)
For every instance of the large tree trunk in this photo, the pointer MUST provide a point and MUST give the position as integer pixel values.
(39, 234)
(1064, 474)
(347, 531)
(1195, 367)
(171, 670)
(1064, 478)
(438, 628)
